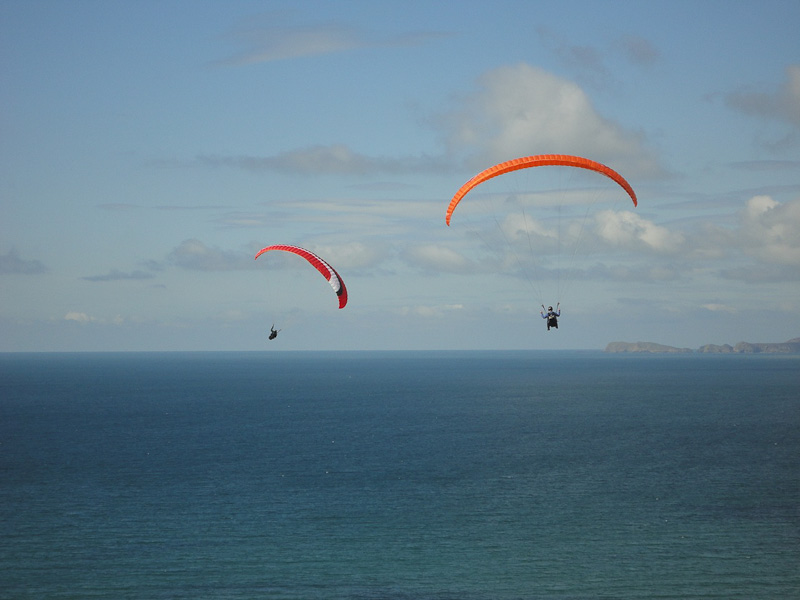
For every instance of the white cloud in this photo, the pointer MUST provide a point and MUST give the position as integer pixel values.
(79, 317)
(520, 229)
(770, 231)
(625, 228)
(518, 224)
(522, 110)
(761, 244)
(438, 258)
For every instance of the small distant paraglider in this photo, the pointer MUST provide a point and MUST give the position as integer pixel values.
(327, 271)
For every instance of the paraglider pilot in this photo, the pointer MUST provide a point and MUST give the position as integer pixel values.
(551, 315)
(273, 333)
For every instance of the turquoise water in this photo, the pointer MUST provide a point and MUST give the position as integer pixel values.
(399, 476)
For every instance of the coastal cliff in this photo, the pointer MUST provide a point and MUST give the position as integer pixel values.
(788, 347)
(644, 347)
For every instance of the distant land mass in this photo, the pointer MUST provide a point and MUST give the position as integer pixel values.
(788, 347)
(644, 347)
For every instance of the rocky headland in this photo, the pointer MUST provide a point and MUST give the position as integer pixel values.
(788, 347)
(644, 347)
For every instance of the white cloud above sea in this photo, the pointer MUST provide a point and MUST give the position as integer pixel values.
(765, 231)
(519, 110)
(625, 228)
(770, 231)
(439, 259)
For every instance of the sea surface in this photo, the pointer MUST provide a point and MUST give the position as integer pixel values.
(399, 476)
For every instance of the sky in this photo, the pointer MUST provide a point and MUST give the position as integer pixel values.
(149, 149)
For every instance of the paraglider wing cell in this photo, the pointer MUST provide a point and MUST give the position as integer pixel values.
(328, 272)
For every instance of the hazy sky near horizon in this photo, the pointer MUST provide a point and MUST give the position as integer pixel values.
(149, 149)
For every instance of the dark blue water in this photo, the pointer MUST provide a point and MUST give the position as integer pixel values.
(399, 476)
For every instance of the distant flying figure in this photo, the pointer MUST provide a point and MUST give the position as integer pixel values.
(273, 333)
(551, 315)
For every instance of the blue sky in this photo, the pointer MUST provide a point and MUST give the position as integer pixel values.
(149, 149)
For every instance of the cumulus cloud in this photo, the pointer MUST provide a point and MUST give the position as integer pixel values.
(521, 228)
(520, 110)
(12, 263)
(763, 240)
(625, 228)
(438, 258)
(770, 231)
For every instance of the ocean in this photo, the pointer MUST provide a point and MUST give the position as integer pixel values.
(399, 476)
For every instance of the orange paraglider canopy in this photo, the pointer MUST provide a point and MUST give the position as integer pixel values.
(541, 160)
